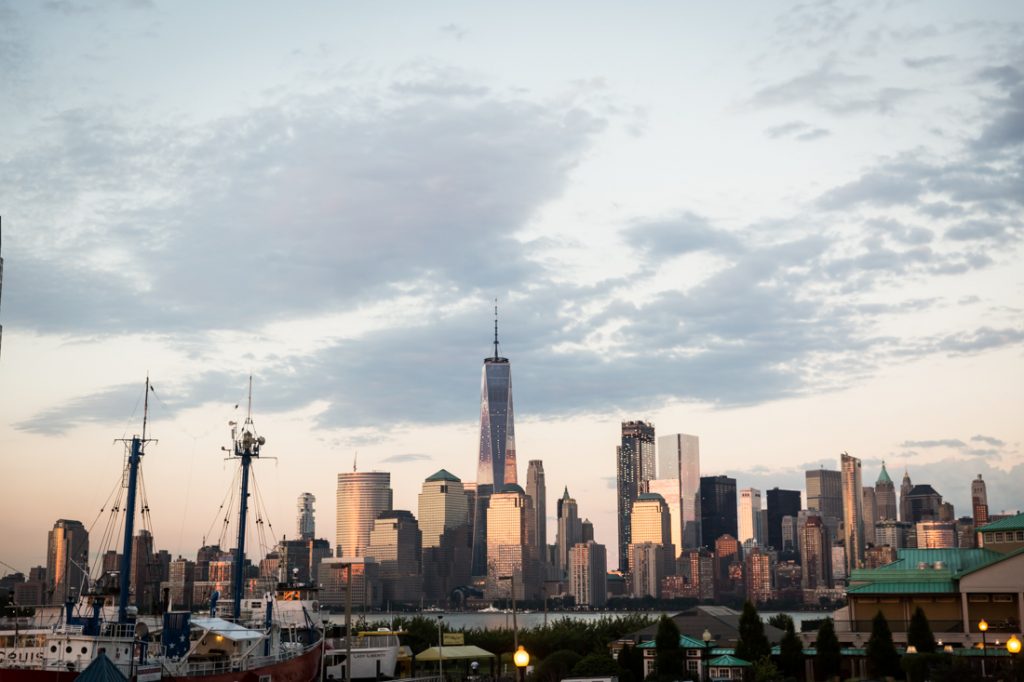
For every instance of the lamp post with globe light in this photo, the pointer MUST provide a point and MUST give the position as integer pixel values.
(522, 659)
(1013, 646)
(983, 627)
(704, 658)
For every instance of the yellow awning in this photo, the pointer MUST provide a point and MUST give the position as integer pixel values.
(452, 653)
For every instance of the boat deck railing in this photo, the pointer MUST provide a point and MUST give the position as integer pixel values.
(239, 664)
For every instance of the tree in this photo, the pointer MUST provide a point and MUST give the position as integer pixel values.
(919, 633)
(791, 652)
(752, 645)
(782, 621)
(557, 666)
(764, 670)
(631, 661)
(668, 654)
(883, 659)
(828, 660)
(596, 665)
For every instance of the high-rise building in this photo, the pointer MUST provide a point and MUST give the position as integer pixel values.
(870, 505)
(395, 543)
(496, 464)
(588, 573)
(361, 497)
(511, 547)
(634, 466)
(679, 458)
(750, 516)
(853, 511)
(825, 492)
(885, 497)
(647, 562)
(936, 535)
(180, 582)
(67, 560)
(815, 554)
(892, 533)
(444, 513)
(537, 490)
(790, 534)
(651, 521)
(979, 502)
(839, 564)
(758, 576)
(923, 503)
(727, 553)
(947, 512)
(780, 503)
(717, 508)
(699, 564)
(305, 525)
(587, 531)
(569, 530)
(668, 488)
(905, 487)
(365, 585)
(144, 581)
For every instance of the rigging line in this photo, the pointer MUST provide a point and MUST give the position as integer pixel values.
(188, 492)
(106, 538)
(216, 516)
(131, 418)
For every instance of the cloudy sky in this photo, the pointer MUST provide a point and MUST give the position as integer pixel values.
(791, 230)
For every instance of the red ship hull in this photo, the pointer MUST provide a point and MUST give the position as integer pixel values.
(302, 668)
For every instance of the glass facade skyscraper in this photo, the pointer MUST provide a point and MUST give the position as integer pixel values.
(679, 458)
(634, 467)
(361, 497)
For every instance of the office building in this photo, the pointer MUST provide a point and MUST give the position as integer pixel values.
(635, 466)
(717, 508)
(966, 535)
(496, 462)
(825, 492)
(699, 572)
(511, 547)
(305, 525)
(853, 512)
(750, 516)
(790, 535)
(885, 497)
(905, 487)
(67, 560)
(569, 530)
(668, 488)
(365, 588)
(780, 503)
(361, 497)
(396, 546)
(537, 490)
(923, 503)
(936, 535)
(647, 561)
(588, 571)
(840, 564)
(180, 583)
(443, 506)
(758, 576)
(145, 580)
(870, 507)
(679, 458)
(727, 554)
(892, 533)
(587, 529)
(815, 554)
(444, 514)
(979, 501)
(299, 560)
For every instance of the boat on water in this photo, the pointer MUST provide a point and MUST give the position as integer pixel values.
(266, 639)
(374, 655)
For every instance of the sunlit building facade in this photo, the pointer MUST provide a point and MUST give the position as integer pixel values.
(679, 458)
(67, 560)
(825, 492)
(395, 544)
(306, 521)
(362, 496)
(885, 497)
(511, 548)
(750, 516)
(635, 465)
(853, 511)
(588, 574)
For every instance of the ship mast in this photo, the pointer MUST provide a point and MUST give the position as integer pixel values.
(136, 452)
(246, 446)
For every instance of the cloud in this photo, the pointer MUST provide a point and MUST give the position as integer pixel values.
(943, 443)
(990, 440)
(798, 130)
(401, 459)
(833, 91)
(454, 30)
(686, 233)
(927, 62)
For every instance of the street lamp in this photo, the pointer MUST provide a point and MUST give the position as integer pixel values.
(515, 626)
(911, 649)
(440, 648)
(983, 627)
(704, 658)
(1013, 645)
(521, 659)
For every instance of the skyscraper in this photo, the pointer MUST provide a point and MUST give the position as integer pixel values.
(395, 543)
(511, 546)
(669, 491)
(870, 505)
(815, 554)
(634, 466)
(780, 503)
(496, 464)
(717, 508)
(979, 501)
(570, 529)
(444, 523)
(679, 457)
(537, 490)
(650, 519)
(825, 492)
(885, 497)
(905, 487)
(853, 511)
(758, 576)
(588, 573)
(305, 526)
(67, 560)
(750, 512)
(923, 503)
(361, 497)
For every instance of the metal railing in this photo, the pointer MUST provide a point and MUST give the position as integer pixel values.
(938, 626)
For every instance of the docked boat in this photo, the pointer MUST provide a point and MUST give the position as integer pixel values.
(374, 655)
(267, 640)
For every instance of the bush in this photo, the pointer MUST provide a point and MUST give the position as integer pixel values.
(557, 666)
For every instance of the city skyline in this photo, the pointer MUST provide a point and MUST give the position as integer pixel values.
(811, 212)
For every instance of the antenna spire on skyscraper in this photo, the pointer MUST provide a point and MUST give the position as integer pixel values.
(495, 327)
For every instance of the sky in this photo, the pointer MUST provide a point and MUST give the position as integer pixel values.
(793, 230)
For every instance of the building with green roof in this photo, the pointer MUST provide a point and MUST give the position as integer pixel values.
(1004, 535)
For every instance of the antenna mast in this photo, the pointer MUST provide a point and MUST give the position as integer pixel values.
(495, 328)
